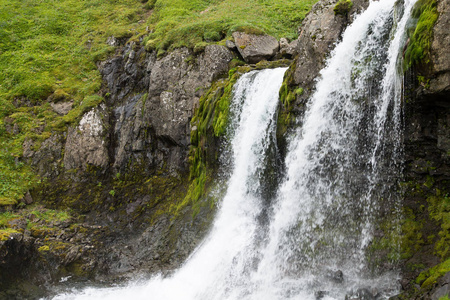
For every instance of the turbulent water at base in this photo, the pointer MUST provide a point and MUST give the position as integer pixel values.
(340, 175)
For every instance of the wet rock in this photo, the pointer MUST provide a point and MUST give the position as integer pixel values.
(255, 48)
(320, 294)
(320, 32)
(126, 73)
(362, 294)
(335, 276)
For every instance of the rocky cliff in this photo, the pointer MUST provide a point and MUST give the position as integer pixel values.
(124, 169)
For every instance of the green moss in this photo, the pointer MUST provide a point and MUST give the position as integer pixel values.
(6, 233)
(411, 239)
(45, 248)
(428, 278)
(421, 36)
(343, 7)
(299, 91)
(439, 208)
(288, 94)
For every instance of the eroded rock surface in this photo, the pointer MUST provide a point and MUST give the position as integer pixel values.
(319, 34)
(440, 54)
(255, 48)
(85, 144)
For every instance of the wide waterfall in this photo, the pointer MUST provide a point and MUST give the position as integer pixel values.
(309, 238)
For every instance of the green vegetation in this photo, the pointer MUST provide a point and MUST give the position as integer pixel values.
(343, 7)
(439, 208)
(48, 51)
(428, 278)
(36, 219)
(210, 121)
(177, 23)
(288, 94)
(418, 51)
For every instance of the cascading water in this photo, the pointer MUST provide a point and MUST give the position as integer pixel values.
(341, 170)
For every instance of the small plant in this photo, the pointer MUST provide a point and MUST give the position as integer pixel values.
(211, 36)
(112, 193)
(343, 7)
(299, 91)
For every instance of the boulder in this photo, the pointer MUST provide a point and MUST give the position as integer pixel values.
(230, 45)
(335, 276)
(85, 144)
(255, 48)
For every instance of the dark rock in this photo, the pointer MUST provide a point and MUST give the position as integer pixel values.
(361, 294)
(320, 294)
(319, 33)
(255, 48)
(335, 276)
(27, 199)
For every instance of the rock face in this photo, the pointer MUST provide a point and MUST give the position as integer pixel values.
(427, 153)
(440, 55)
(48, 158)
(153, 105)
(85, 144)
(289, 50)
(321, 30)
(255, 48)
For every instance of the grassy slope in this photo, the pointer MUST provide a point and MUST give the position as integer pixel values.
(48, 51)
(49, 48)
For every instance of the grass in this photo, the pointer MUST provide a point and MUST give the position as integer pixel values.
(177, 23)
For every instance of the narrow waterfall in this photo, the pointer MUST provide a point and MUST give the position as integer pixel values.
(341, 172)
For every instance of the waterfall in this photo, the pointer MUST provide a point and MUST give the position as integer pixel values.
(341, 172)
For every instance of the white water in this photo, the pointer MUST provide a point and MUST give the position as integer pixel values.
(340, 165)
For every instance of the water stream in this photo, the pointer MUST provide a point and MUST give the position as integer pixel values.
(341, 171)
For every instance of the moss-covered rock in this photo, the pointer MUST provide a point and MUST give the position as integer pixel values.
(421, 35)
(343, 7)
